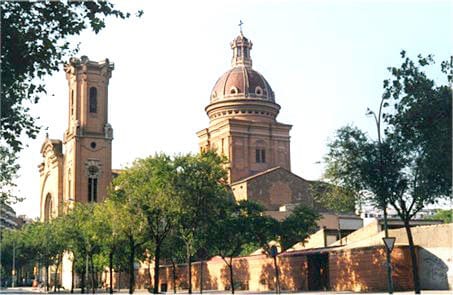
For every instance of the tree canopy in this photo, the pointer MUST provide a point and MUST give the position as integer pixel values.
(409, 165)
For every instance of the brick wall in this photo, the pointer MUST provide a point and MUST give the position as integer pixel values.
(351, 269)
(364, 269)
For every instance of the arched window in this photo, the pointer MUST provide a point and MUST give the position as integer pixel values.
(93, 100)
(48, 207)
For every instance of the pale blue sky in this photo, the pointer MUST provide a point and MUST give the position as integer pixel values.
(325, 61)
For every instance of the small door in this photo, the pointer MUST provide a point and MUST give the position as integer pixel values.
(318, 272)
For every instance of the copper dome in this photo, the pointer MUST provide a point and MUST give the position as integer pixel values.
(242, 82)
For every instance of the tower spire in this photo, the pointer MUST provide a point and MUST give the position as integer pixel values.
(241, 50)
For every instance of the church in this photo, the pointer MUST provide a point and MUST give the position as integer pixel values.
(243, 127)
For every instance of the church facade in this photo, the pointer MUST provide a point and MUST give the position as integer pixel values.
(79, 167)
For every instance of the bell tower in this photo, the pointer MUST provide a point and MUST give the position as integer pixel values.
(88, 138)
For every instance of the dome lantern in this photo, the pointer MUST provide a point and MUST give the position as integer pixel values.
(241, 51)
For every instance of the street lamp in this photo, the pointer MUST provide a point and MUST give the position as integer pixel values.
(13, 272)
(274, 253)
(377, 119)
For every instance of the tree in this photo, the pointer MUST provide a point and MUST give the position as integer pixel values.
(129, 222)
(173, 251)
(410, 166)
(8, 172)
(334, 198)
(445, 215)
(113, 239)
(150, 184)
(232, 233)
(24, 256)
(33, 45)
(201, 187)
(297, 226)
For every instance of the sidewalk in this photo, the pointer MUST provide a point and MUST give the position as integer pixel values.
(30, 290)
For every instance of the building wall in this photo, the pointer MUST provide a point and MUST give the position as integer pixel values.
(363, 269)
(51, 180)
(277, 188)
(351, 269)
(435, 257)
(238, 140)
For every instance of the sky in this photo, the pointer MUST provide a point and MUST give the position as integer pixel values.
(325, 61)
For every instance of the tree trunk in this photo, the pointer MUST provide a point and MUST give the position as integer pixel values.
(93, 274)
(156, 267)
(230, 266)
(277, 280)
(131, 265)
(189, 271)
(201, 276)
(111, 272)
(47, 275)
(55, 277)
(73, 272)
(83, 280)
(150, 276)
(174, 276)
(119, 280)
(413, 257)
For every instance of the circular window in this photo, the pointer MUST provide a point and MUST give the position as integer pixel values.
(93, 145)
(258, 90)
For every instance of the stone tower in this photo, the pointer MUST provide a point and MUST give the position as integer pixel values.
(242, 114)
(84, 171)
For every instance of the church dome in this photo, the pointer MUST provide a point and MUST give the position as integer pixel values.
(242, 82)
(242, 92)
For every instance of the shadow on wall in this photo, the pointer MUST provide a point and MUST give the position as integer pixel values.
(347, 274)
(241, 275)
(292, 272)
(267, 276)
(198, 273)
(433, 271)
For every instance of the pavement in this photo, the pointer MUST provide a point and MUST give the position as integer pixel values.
(30, 290)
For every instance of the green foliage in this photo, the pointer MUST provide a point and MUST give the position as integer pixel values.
(297, 226)
(410, 166)
(334, 198)
(201, 188)
(445, 215)
(8, 172)
(234, 231)
(420, 116)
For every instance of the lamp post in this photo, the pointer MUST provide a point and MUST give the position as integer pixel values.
(387, 250)
(274, 253)
(13, 282)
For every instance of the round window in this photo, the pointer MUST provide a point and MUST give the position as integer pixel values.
(93, 145)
